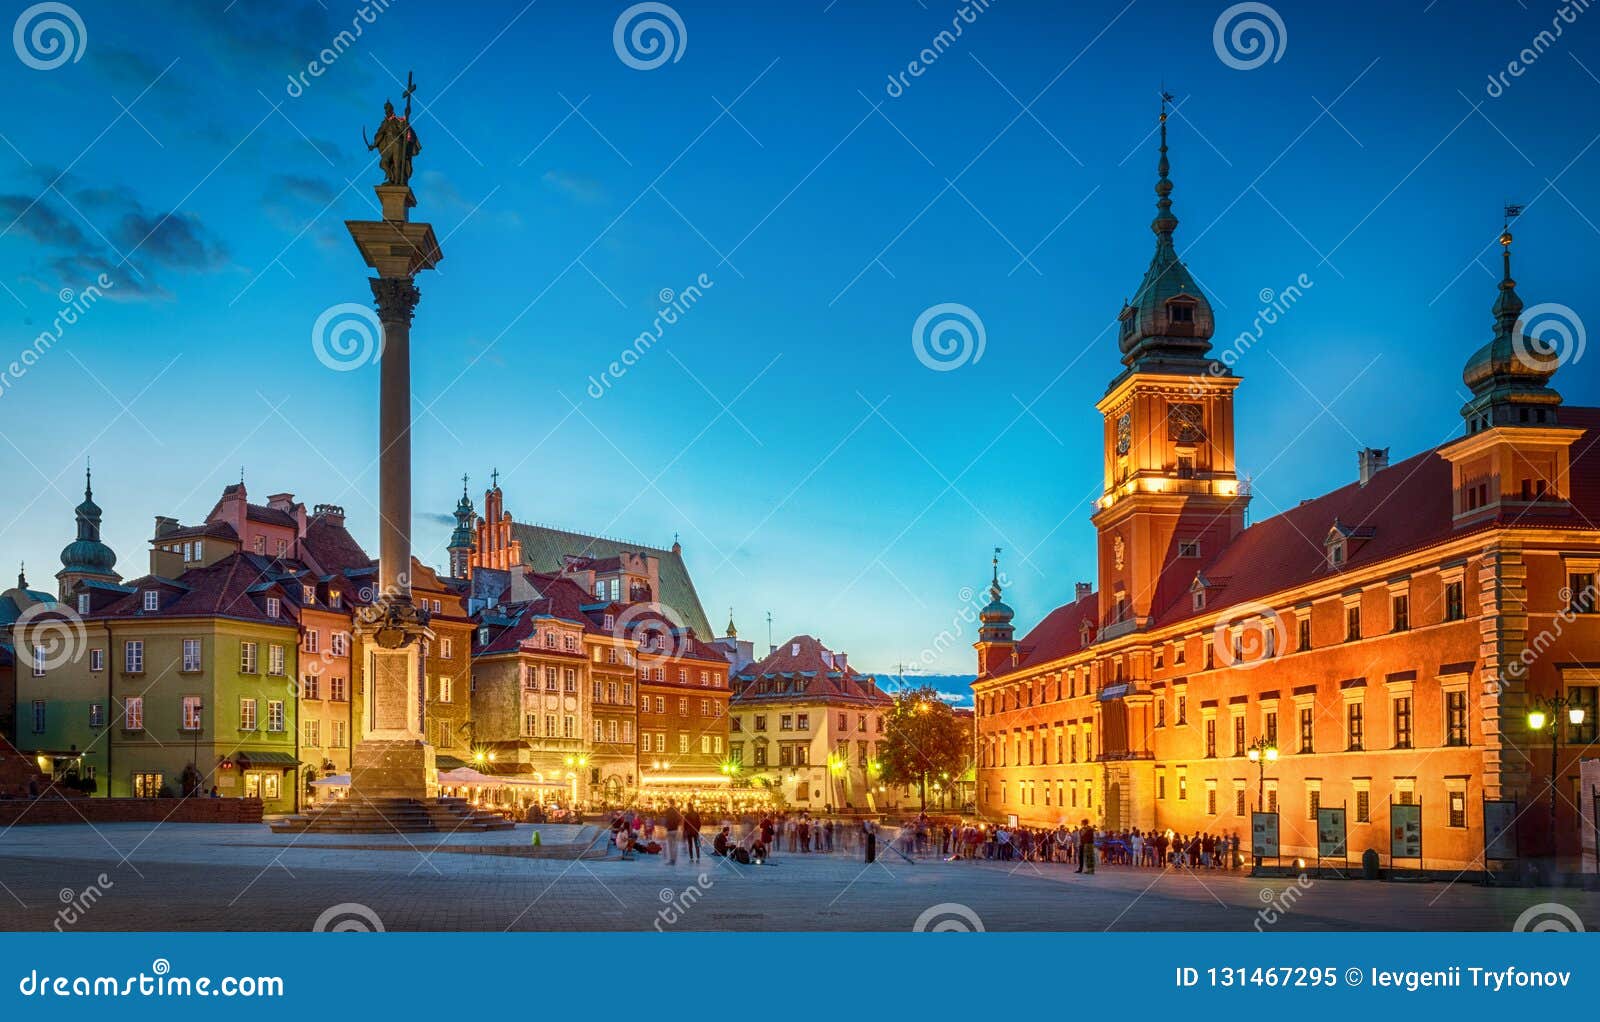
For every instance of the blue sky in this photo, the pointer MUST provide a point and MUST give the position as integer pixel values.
(784, 427)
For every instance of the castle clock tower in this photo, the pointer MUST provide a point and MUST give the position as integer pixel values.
(1171, 499)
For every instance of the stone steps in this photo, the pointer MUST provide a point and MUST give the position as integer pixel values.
(393, 816)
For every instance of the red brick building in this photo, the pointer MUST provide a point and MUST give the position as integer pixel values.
(1388, 639)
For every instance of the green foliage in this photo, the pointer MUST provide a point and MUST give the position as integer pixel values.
(922, 740)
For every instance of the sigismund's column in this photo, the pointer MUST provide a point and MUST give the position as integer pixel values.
(393, 759)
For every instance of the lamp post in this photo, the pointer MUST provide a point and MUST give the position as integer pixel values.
(1261, 752)
(1546, 715)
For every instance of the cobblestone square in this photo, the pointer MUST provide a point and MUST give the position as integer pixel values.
(199, 877)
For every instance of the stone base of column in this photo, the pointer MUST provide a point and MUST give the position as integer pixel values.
(393, 769)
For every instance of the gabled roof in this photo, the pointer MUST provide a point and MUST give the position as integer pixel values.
(544, 549)
(232, 587)
(804, 660)
(1403, 508)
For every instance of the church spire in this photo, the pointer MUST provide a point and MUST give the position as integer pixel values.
(1167, 326)
(461, 540)
(1509, 377)
(995, 619)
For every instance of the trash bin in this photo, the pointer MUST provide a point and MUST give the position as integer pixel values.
(872, 846)
(1369, 864)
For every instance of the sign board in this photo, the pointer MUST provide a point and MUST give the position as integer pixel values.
(1499, 834)
(1264, 835)
(1589, 783)
(1330, 833)
(1405, 831)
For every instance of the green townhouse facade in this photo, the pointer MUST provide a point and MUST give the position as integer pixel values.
(169, 686)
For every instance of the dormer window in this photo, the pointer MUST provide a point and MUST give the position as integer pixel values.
(272, 606)
(335, 600)
(152, 600)
(483, 636)
(308, 595)
(1198, 599)
(1127, 321)
(1189, 549)
(610, 622)
(83, 603)
(1338, 552)
(1181, 311)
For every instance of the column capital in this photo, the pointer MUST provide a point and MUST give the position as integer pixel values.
(396, 298)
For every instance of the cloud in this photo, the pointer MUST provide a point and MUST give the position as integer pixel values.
(177, 240)
(292, 200)
(574, 186)
(35, 220)
(147, 238)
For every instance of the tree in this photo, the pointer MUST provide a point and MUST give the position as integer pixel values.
(922, 739)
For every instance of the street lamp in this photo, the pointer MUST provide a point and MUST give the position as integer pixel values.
(1261, 753)
(1546, 715)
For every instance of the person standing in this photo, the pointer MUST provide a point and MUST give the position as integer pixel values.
(673, 824)
(691, 832)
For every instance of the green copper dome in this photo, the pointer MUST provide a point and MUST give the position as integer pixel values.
(1509, 377)
(86, 555)
(1169, 319)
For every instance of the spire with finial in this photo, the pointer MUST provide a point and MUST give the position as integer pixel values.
(995, 619)
(1168, 324)
(22, 575)
(86, 556)
(1509, 377)
(1164, 223)
(733, 632)
(494, 479)
(461, 539)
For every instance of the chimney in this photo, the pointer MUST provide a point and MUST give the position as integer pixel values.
(843, 661)
(1372, 460)
(281, 501)
(332, 512)
(827, 658)
(165, 525)
(1083, 589)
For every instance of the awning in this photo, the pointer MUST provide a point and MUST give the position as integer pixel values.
(332, 781)
(449, 762)
(470, 778)
(265, 759)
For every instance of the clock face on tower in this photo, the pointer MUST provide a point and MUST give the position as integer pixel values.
(1124, 433)
(1185, 423)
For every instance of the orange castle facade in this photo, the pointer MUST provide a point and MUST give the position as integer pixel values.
(1388, 640)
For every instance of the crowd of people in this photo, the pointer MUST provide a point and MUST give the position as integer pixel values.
(758, 837)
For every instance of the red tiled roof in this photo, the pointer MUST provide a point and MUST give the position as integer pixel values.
(330, 544)
(222, 589)
(270, 516)
(1405, 507)
(801, 659)
(1060, 633)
